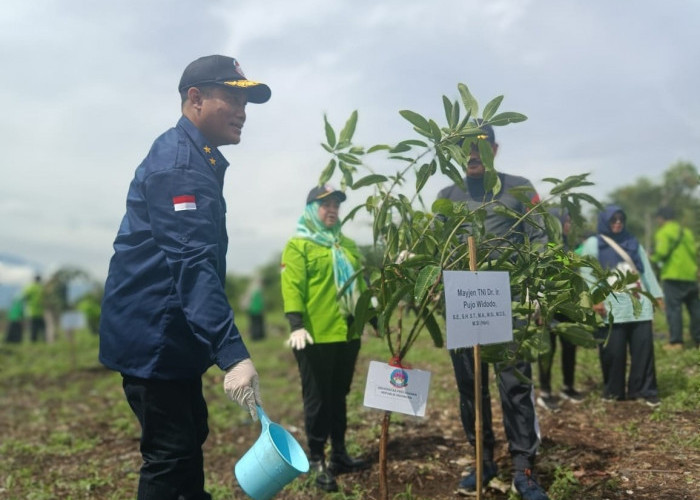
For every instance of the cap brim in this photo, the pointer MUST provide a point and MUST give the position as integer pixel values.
(339, 194)
(258, 93)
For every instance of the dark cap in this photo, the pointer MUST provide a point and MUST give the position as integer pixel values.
(321, 192)
(487, 132)
(667, 213)
(222, 70)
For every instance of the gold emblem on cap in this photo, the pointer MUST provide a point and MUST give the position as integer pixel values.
(242, 83)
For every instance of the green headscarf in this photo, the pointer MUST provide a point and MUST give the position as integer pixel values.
(311, 227)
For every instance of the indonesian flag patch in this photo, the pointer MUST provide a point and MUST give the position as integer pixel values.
(184, 202)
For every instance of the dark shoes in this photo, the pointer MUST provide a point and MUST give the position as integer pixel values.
(324, 478)
(547, 401)
(652, 401)
(343, 463)
(571, 394)
(467, 486)
(526, 486)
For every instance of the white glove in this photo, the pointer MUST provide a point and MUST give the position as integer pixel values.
(241, 385)
(299, 338)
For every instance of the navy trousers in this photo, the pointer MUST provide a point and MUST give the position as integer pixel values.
(519, 418)
(173, 418)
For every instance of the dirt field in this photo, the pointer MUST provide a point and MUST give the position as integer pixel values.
(72, 437)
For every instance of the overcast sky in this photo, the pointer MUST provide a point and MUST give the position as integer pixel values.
(609, 87)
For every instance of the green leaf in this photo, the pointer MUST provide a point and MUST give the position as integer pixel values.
(349, 128)
(442, 206)
(436, 133)
(391, 304)
(417, 121)
(422, 176)
(413, 142)
(491, 108)
(327, 172)
(400, 148)
(352, 213)
(378, 147)
(434, 329)
(348, 158)
(506, 118)
(577, 334)
(455, 115)
(425, 280)
(330, 134)
(362, 313)
(470, 104)
(447, 104)
(369, 180)
(569, 183)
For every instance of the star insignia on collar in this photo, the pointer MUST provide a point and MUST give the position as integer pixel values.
(207, 149)
(212, 161)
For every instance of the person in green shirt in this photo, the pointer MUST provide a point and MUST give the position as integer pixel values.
(317, 263)
(254, 305)
(33, 297)
(15, 317)
(675, 253)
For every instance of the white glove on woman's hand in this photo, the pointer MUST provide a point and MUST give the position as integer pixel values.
(299, 338)
(242, 386)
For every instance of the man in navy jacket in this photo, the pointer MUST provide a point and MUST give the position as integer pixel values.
(165, 316)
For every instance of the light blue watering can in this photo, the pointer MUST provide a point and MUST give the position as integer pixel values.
(273, 461)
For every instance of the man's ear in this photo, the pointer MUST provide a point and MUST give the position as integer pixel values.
(194, 95)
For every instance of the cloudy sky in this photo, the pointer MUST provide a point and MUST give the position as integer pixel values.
(610, 87)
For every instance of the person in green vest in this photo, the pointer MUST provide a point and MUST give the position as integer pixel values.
(675, 253)
(317, 263)
(254, 306)
(33, 297)
(15, 316)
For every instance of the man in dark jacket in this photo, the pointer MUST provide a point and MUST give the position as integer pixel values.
(165, 316)
(519, 418)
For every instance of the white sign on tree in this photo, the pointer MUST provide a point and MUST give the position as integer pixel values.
(478, 308)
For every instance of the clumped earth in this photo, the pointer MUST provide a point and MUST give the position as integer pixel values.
(612, 450)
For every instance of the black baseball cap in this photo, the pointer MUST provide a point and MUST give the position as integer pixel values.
(486, 130)
(222, 70)
(321, 192)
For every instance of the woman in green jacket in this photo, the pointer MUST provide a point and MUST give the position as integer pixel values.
(317, 263)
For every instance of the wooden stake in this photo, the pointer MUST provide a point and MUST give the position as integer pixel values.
(383, 441)
(478, 426)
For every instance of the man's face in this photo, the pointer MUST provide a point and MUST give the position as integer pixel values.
(222, 115)
(328, 211)
(476, 169)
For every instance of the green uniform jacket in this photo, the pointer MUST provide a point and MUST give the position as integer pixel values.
(34, 299)
(308, 287)
(679, 263)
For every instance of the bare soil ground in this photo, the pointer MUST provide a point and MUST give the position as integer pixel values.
(615, 451)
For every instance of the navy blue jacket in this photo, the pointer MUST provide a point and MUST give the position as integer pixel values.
(165, 314)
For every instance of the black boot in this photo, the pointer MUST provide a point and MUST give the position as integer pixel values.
(342, 462)
(324, 478)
